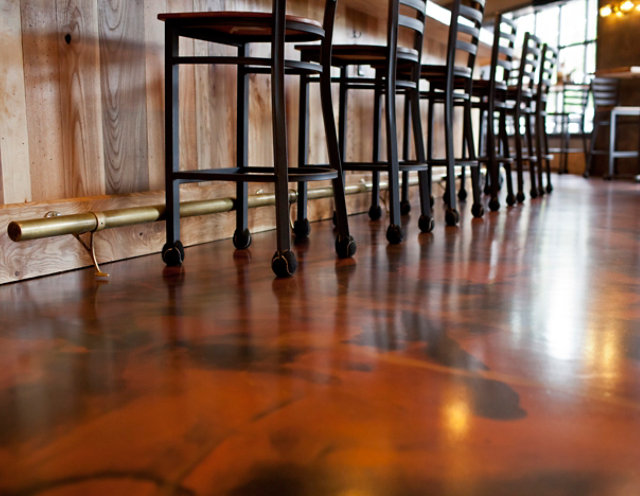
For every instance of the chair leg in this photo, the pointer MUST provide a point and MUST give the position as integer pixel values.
(283, 263)
(426, 222)
(612, 145)
(506, 154)
(242, 236)
(519, 159)
(476, 208)
(493, 166)
(405, 204)
(301, 226)
(531, 154)
(172, 251)
(538, 123)
(452, 216)
(545, 144)
(345, 245)
(375, 212)
(592, 147)
(394, 231)
(466, 153)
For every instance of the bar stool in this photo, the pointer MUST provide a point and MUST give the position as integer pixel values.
(572, 112)
(606, 99)
(451, 85)
(520, 100)
(546, 76)
(490, 98)
(396, 67)
(240, 29)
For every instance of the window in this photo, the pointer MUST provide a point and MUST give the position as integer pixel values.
(572, 27)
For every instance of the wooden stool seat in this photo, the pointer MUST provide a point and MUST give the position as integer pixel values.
(242, 27)
(361, 54)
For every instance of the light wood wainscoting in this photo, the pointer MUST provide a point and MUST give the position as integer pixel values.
(81, 126)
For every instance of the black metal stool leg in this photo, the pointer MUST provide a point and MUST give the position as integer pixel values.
(405, 205)
(426, 222)
(172, 251)
(452, 216)
(284, 262)
(375, 212)
(477, 209)
(519, 158)
(394, 231)
(301, 226)
(506, 154)
(242, 236)
(531, 153)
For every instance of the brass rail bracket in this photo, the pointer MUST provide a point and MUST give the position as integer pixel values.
(91, 246)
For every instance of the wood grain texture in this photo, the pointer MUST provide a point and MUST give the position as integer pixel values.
(123, 85)
(80, 98)
(154, 73)
(42, 85)
(14, 140)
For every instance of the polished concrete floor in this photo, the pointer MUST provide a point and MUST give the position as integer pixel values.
(498, 358)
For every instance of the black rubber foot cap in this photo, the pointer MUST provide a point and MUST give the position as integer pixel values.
(284, 263)
(173, 255)
(462, 195)
(426, 223)
(477, 210)
(242, 239)
(452, 217)
(375, 212)
(345, 246)
(394, 234)
(405, 207)
(549, 188)
(511, 200)
(585, 175)
(533, 193)
(494, 204)
(301, 229)
(520, 197)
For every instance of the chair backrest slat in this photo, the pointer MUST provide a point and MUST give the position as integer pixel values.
(464, 33)
(605, 91)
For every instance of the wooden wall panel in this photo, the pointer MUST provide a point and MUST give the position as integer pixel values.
(42, 86)
(154, 73)
(14, 140)
(123, 85)
(80, 98)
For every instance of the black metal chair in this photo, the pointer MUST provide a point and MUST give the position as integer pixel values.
(521, 106)
(240, 29)
(490, 98)
(572, 113)
(451, 85)
(546, 77)
(396, 67)
(606, 99)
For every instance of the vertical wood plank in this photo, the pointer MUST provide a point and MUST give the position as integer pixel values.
(14, 141)
(187, 96)
(154, 65)
(80, 98)
(42, 86)
(215, 102)
(123, 86)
